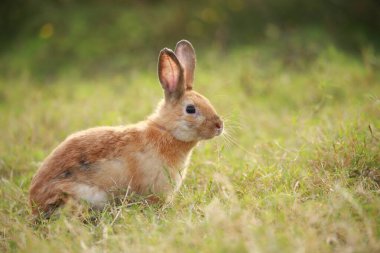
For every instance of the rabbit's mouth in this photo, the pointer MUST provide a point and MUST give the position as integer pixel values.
(214, 132)
(211, 128)
(219, 131)
(219, 128)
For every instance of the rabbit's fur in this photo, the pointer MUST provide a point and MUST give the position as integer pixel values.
(149, 158)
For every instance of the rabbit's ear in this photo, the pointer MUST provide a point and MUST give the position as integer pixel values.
(186, 56)
(170, 74)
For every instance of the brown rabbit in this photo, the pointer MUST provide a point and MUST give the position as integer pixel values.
(149, 158)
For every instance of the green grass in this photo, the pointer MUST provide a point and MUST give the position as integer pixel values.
(298, 172)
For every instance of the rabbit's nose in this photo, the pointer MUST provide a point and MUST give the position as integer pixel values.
(219, 126)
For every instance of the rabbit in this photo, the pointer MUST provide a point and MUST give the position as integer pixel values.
(149, 158)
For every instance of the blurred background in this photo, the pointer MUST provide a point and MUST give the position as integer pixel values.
(46, 39)
(296, 81)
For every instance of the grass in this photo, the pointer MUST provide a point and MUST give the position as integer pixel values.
(297, 171)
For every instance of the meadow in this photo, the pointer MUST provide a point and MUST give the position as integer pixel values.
(297, 169)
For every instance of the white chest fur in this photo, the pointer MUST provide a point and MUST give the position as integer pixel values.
(157, 177)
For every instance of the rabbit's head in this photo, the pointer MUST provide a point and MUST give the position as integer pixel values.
(186, 114)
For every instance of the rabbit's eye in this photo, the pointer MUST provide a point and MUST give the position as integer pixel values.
(190, 109)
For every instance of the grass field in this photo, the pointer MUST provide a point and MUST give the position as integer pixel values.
(298, 169)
